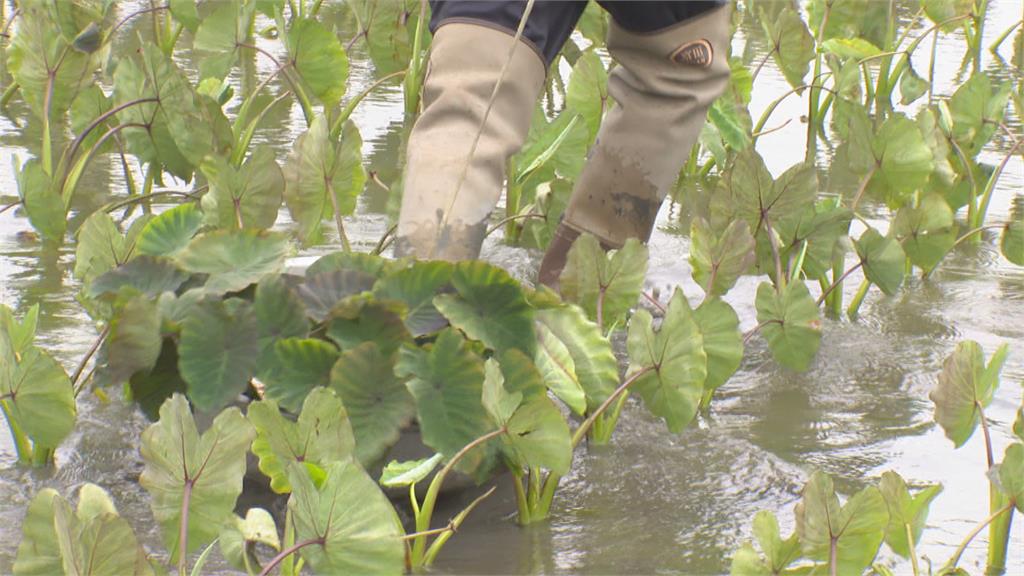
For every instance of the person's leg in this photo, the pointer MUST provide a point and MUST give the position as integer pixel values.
(449, 195)
(666, 79)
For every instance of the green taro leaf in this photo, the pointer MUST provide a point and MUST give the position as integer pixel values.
(905, 511)
(37, 394)
(299, 365)
(234, 259)
(447, 383)
(150, 389)
(977, 110)
(322, 178)
(19, 335)
(883, 260)
(965, 387)
(718, 260)
(790, 323)
(378, 403)
(399, 474)
(94, 540)
(490, 307)
(675, 358)
(353, 523)
(614, 280)
(238, 537)
(1011, 474)
(249, 196)
(792, 44)
(595, 363)
(820, 226)
(218, 351)
(42, 201)
(184, 11)
(100, 248)
(926, 231)
(218, 35)
(719, 328)
(912, 86)
(150, 275)
(1012, 243)
(322, 292)
(855, 48)
(319, 58)
(390, 26)
(208, 468)
(279, 315)
(857, 528)
(372, 264)
(321, 435)
(538, 437)
(499, 403)
(558, 369)
(939, 11)
(368, 321)
(416, 286)
(171, 231)
(779, 553)
(38, 553)
(759, 198)
(896, 155)
(587, 92)
(134, 342)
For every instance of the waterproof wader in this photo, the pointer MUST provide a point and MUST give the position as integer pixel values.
(671, 66)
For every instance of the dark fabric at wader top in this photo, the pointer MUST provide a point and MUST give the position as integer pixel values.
(551, 22)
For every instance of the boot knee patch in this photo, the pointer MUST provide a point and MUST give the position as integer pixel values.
(698, 53)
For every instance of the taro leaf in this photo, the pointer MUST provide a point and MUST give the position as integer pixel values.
(596, 366)
(1011, 474)
(820, 226)
(378, 403)
(854, 48)
(965, 387)
(279, 314)
(323, 179)
(926, 231)
(38, 552)
(559, 145)
(939, 11)
(612, 282)
(321, 435)
(912, 86)
(198, 475)
(907, 514)
(234, 259)
(758, 197)
(319, 58)
(184, 11)
(37, 393)
(896, 156)
(539, 437)
(587, 92)
(249, 196)
(218, 351)
(299, 365)
(238, 537)
(977, 111)
(1018, 424)
(134, 342)
(174, 309)
(321, 292)
(447, 383)
(88, 106)
(19, 335)
(389, 35)
(558, 369)
(780, 553)
(416, 286)
(353, 524)
(94, 540)
(792, 44)
(151, 275)
(790, 323)
(722, 341)
(42, 202)
(499, 403)
(675, 361)
(368, 321)
(1012, 243)
(732, 121)
(219, 35)
(883, 260)
(747, 562)
(150, 389)
(850, 19)
(856, 529)
(490, 307)
(171, 231)
(944, 175)
(719, 260)
(100, 248)
(371, 264)
(399, 474)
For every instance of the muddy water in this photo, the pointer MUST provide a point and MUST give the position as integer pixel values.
(650, 502)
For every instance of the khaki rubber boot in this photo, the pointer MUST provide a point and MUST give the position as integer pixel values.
(448, 195)
(663, 86)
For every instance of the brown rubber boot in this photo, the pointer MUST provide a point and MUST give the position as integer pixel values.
(662, 88)
(449, 194)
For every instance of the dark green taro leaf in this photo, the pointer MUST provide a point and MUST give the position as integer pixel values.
(790, 323)
(234, 259)
(134, 342)
(372, 264)
(613, 282)
(150, 389)
(299, 365)
(150, 275)
(856, 529)
(587, 92)
(416, 286)
(447, 383)
(279, 314)
(319, 59)
(238, 537)
(792, 44)
(378, 402)
(977, 110)
(322, 292)
(352, 522)
(203, 471)
(219, 35)
(38, 394)
(1011, 474)
(100, 248)
(249, 196)
(927, 231)
(595, 363)
(42, 201)
(365, 320)
(218, 351)
(323, 178)
(906, 512)
(719, 259)
(171, 231)
(883, 260)
(321, 435)
(490, 306)
(719, 328)
(676, 360)
(965, 388)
